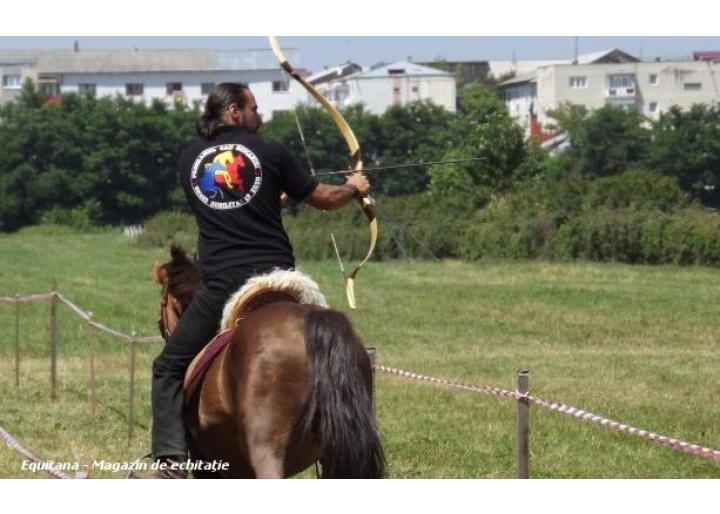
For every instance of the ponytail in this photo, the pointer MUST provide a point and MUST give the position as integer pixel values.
(225, 95)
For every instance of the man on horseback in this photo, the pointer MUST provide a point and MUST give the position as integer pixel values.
(233, 181)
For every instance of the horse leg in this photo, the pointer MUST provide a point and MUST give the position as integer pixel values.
(267, 430)
(266, 463)
(269, 419)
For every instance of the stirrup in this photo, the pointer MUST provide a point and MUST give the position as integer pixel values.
(131, 471)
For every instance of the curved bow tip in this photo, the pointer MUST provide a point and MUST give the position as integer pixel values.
(350, 292)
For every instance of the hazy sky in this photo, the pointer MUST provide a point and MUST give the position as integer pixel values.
(316, 52)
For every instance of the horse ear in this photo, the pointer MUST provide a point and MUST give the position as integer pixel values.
(178, 254)
(159, 273)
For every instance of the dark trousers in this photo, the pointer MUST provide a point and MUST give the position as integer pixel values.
(197, 326)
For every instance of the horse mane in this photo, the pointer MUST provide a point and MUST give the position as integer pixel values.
(183, 275)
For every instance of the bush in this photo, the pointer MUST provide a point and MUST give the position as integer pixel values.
(83, 218)
(522, 224)
(693, 237)
(635, 189)
(602, 235)
(413, 226)
(168, 228)
(688, 236)
(520, 240)
(47, 229)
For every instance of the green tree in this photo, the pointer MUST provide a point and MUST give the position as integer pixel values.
(484, 130)
(60, 162)
(417, 132)
(686, 146)
(606, 142)
(568, 118)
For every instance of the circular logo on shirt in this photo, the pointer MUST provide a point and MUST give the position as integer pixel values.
(226, 176)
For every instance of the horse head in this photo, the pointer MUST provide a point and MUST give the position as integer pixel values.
(180, 278)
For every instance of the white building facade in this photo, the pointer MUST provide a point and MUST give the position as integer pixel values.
(391, 85)
(651, 88)
(186, 76)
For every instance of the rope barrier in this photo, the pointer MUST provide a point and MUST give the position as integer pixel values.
(84, 315)
(669, 442)
(26, 298)
(13, 444)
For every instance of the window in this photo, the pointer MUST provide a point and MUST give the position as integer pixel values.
(653, 79)
(49, 88)
(173, 87)
(415, 89)
(86, 89)
(627, 103)
(11, 82)
(133, 89)
(396, 71)
(280, 86)
(692, 86)
(207, 88)
(653, 107)
(578, 82)
(623, 80)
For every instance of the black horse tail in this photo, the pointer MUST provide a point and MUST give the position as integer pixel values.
(340, 411)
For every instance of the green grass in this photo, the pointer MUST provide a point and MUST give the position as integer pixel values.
(637, 344)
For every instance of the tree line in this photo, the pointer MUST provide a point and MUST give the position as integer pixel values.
(89, 161)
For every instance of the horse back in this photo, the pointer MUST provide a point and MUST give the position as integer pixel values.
(255, 392)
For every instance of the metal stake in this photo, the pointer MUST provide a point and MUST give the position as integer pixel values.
(523, 425)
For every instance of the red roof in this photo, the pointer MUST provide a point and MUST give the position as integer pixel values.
(709, 55)
(52, 100)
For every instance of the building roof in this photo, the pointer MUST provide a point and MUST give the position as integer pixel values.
(520, 79)
(400, 68)
(612, 55)
(603, 57)
(145, 61)
(707, 55)
(333, 73)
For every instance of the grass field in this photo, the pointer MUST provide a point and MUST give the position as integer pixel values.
(637, 344)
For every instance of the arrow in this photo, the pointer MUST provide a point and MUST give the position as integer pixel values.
(398, 166)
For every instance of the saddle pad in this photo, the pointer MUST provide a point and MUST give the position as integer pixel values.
(203, 359)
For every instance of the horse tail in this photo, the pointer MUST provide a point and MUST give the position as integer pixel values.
(340, 409)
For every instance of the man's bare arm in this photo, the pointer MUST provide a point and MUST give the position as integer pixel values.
(330, 197)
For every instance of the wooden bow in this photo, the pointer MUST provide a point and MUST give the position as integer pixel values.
(366, 202)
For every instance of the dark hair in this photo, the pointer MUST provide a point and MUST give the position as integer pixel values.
(225, 95)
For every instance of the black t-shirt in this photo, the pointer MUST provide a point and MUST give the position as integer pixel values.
(233, 183)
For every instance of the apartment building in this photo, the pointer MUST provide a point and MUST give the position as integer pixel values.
(649, 87)
(186, 76)
(386, 85)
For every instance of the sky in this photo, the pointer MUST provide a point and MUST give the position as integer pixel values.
(318, 52)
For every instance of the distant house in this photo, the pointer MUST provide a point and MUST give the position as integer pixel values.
(387, 85)
(609, 78)
(708, 55)
(516, 67)
(186, 76)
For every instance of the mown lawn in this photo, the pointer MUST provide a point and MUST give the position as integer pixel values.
(637, 344)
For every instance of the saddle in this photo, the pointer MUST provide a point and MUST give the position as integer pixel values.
(276, 286)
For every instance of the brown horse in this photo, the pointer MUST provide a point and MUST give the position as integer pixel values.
(293, 387)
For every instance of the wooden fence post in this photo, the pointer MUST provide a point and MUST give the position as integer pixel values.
(16, 343)
(371, 350)
(90, 337)
(131, 390)
(523, 425)
(53, 341)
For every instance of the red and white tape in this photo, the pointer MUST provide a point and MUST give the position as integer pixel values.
(670, 442)
(13, 444)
